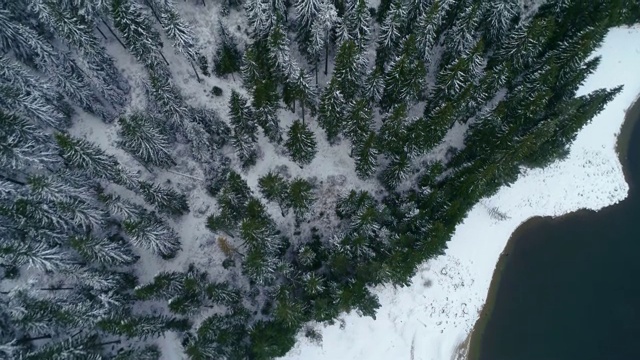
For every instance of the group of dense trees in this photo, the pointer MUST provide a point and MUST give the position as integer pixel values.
(74, 221)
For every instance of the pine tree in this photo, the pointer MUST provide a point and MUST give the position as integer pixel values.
(302, 91)
(35, 255)
(263, 16)
(523, 45)
(301, 198)
(301, 143)
(23, 144)
(177, 30)
(498, 18)
(103, 250)
(29, 97)
(331, 112)
(374, 86)
(166, 200)
(274, 188)
(320, 34)
(279, 54)
(77, 31)
(307, 11)
(259, 267)
(365, 154)
(397, 171)
(359, 122)
(241, 116)
(265, 107)
(144, 140)
(151, 233)
(404, 81)
(463, 34)
(164, 286)
(82, 155)
(169, 101)
(392, 28)
(429, 23)
(143, 326)
(137, 32)
(349, 70)
(358, 22)
(228, 58)
(80, 347)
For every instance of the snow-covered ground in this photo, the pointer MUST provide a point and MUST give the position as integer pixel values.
(429, 319)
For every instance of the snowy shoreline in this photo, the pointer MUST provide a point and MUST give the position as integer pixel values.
(431, 318)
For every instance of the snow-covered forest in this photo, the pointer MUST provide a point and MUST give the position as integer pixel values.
(214, 178)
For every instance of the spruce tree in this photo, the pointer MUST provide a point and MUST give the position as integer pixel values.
(301, 198)
(151, 233)
(144, 140)
(365, 154)
(332, 110)
(228, 58)
(301, 143)
(166, 200)
(104, 251)
(143, 326)
(82, 155)
(274, 188)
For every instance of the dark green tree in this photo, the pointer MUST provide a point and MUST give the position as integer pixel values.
(301, 143)
(166, 199)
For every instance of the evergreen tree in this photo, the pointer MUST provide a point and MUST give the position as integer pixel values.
(365, 154)
(498, 20)
(274, 188)
(144, 140)
(228, 57)
(177, 30)
(82, 155)
(265, 108)
(79, 347)
(463, 34)
(165, 285)
(137, 32)
(320, 34)
(392, 28)
(130, 326)
(301, 198)
(167, 200)
(279, 54)
(429, 23)
(331, 112)
(374, 86)
(263, 15)
(103, 250)
(301, 143)
(77, 31)
(396, 171)
(404, 81)
(23, 144)
(244, 129)
(349, 70)
(525, 43)
(358, 22)
(151, 233)
(359, 122)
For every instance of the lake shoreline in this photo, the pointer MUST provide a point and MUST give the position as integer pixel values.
(631, 119)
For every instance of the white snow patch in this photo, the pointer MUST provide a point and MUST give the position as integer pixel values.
(430, 318)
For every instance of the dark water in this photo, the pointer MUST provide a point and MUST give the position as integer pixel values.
(570, 287)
